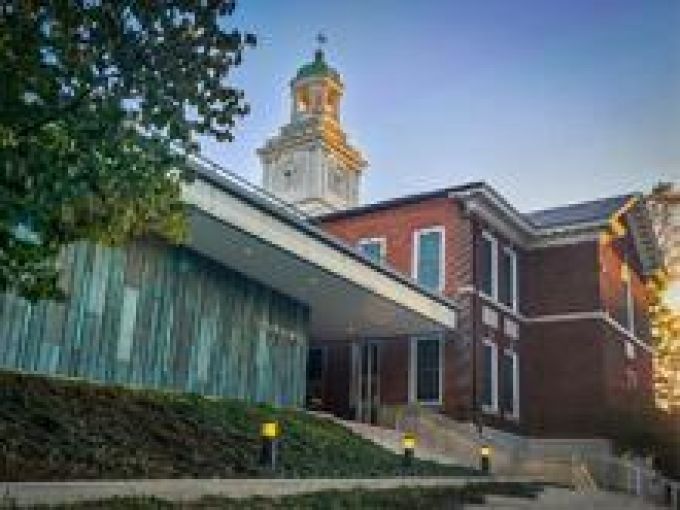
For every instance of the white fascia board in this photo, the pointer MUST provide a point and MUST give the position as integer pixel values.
(239, 213)
(487, 204)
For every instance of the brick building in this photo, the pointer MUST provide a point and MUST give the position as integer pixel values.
(554, 301)
(553, 333)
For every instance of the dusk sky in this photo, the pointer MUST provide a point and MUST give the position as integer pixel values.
(550, 101)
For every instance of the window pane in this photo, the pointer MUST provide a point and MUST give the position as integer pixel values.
(427, 358)
(372, 249)
(507, 383)
(486, 266)
(506, 291)
(314, 364)
(429, 259)
(487, 367)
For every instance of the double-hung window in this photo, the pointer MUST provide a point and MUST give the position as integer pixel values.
(488, 261)
(509, 372)
(508, 287)
(426, 369)
(489, 377)
(373, 248)
(428, 257)
(629, 305)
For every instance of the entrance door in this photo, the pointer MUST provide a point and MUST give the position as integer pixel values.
(366, 377)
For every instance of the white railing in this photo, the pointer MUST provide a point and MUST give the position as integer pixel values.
(633, 478)
(593, 467)
(203, 163)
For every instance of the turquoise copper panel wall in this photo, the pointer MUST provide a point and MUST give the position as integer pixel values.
(161, 316)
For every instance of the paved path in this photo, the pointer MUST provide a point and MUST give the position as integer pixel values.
(32, 493)
(565, 499)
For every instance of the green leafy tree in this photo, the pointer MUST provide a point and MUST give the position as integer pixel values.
(93, 94)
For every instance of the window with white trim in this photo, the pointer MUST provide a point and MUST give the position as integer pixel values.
(488, 269)
(489, 376)
(508, 289)
(509, 375)
(629, 307)
(427, 365)
(428, 257)
(373, 248)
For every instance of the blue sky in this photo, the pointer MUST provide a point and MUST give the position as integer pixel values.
(550, 101)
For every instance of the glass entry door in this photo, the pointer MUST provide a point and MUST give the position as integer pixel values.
(366, 379)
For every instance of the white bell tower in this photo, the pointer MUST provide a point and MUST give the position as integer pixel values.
(309, 163)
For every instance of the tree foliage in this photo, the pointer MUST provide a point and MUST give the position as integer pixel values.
(93, 93)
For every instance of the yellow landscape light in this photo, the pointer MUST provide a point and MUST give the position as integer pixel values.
(270, 433)
(485, 458)
(409, 444)
(409, 441)
(270, 430)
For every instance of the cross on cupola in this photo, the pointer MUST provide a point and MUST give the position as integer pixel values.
(310, 162)
(317, 87)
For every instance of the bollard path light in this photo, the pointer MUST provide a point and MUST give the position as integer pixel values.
(485, 458)
(270, 434)
(409, 444)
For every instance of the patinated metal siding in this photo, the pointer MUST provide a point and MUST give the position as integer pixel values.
(160, 316)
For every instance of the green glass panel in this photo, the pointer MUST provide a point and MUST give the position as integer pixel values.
(161, 316)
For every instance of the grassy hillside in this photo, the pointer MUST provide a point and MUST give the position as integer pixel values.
(58, 430)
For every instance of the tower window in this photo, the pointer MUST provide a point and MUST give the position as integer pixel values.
(303, 101)
(338, 181)
(332, 103)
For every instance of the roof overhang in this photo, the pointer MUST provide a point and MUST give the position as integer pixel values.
(486, 203)
(348, 295)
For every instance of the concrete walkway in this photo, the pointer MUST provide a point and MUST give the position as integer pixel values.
(564, 499)
(35, 493)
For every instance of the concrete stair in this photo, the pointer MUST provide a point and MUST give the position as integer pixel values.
(445, 440)
(584, 466)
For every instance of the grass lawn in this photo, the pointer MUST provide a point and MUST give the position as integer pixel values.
(53, 429)
(393, 499)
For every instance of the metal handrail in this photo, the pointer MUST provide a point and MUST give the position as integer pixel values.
(626, 476)
(241, 181)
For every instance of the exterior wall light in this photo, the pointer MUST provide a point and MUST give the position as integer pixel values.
(409, 444)
(485, 458)
(270, 434)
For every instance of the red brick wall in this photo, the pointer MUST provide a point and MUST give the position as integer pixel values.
(398, 224)
(612, 287)
(562, 379)
(571, 373)
(628, 381)
(459, 364)
(561, 279)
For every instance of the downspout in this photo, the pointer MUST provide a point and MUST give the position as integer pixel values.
(475, 408)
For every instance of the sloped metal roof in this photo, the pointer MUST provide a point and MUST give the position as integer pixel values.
(583, 212)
